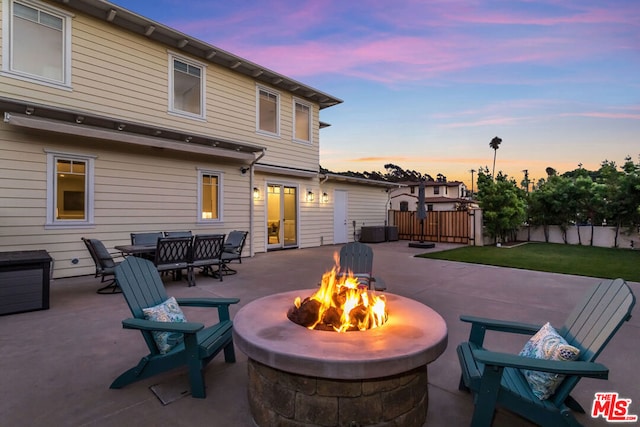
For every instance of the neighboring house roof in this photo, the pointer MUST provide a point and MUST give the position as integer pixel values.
(438, 199)
(153, 30)
(433, 183)
(355, 180)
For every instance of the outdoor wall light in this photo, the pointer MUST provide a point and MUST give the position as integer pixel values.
(256, 193)
(310, 196)
(325, 197)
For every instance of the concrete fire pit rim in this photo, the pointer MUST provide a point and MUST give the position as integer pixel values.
(414, 336)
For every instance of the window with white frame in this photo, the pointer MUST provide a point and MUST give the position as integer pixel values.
(209, 196)
(302, 121)
(268, 119)
(186, 87)
(69, 189)
(36, 42)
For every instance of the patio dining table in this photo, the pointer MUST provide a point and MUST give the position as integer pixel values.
(136, 250)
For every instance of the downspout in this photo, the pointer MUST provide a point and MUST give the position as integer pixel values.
(252, 200)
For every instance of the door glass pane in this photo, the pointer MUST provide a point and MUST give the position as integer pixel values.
(290, 216)
(273, 214)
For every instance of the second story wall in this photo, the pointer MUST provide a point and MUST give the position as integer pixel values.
(124, 75)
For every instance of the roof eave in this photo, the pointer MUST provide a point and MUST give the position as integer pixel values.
(161, 33)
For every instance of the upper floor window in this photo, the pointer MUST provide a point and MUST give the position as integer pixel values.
(436, 190)
(268, 119)
(69, 189)
(36, 42)
(186, 87)
(209, 196)
(302, 120)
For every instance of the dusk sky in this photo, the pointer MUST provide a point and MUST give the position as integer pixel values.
(427, 84)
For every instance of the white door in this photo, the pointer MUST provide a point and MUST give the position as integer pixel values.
(340, 227)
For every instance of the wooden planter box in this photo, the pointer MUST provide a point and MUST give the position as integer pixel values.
(24, 281)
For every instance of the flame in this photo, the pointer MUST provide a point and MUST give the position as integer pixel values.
(341, 295)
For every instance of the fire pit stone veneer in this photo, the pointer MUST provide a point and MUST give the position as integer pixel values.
(301, 377)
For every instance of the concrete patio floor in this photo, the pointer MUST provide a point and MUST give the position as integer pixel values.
(56, 365)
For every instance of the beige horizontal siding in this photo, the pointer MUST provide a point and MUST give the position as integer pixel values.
(134, 192)
(125, 76)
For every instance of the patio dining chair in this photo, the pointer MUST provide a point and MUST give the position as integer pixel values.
(178, 234)
(172, 254)
(105, 265)
(146, 239)
(206, 253)
(233, 250)
(536, 384)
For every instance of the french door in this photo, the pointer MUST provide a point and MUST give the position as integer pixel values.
(282, 216)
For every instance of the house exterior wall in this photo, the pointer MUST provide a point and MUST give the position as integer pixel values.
(122, 75)
(133, 193)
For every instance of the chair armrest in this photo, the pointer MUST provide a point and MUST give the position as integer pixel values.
(151, 325)
(502, 325)
(207, 302)
(479, 325)
(221, 303)
(579, 368)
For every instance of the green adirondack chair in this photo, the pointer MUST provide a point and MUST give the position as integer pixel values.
(496, 379)
(142, 287)
(358, 258)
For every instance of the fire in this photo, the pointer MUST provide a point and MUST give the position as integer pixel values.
(341, 303)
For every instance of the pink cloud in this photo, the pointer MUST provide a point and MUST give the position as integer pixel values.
(413, 41)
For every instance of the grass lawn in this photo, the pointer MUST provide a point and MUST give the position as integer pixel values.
(590, 261)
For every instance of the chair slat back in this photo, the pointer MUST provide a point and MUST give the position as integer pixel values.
(145, 238)
(173, 250)
(207, 246)
(593, 323)
(142, 287)
(356, 257)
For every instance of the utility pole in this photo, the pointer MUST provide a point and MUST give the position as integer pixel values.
(526, 179)
(472, 172)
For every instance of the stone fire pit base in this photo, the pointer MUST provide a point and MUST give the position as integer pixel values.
(281, 398)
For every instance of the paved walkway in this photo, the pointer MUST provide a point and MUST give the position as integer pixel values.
(56, 365)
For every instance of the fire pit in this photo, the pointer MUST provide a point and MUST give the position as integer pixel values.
(299, 376)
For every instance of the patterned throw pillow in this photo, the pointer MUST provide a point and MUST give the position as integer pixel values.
(547, 344)
(168, 311)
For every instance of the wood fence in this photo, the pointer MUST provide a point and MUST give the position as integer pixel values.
(439, 226)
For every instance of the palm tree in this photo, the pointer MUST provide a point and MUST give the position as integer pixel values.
(495, 144)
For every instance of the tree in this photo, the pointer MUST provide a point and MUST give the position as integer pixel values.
(495, 144)
(503, 205)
